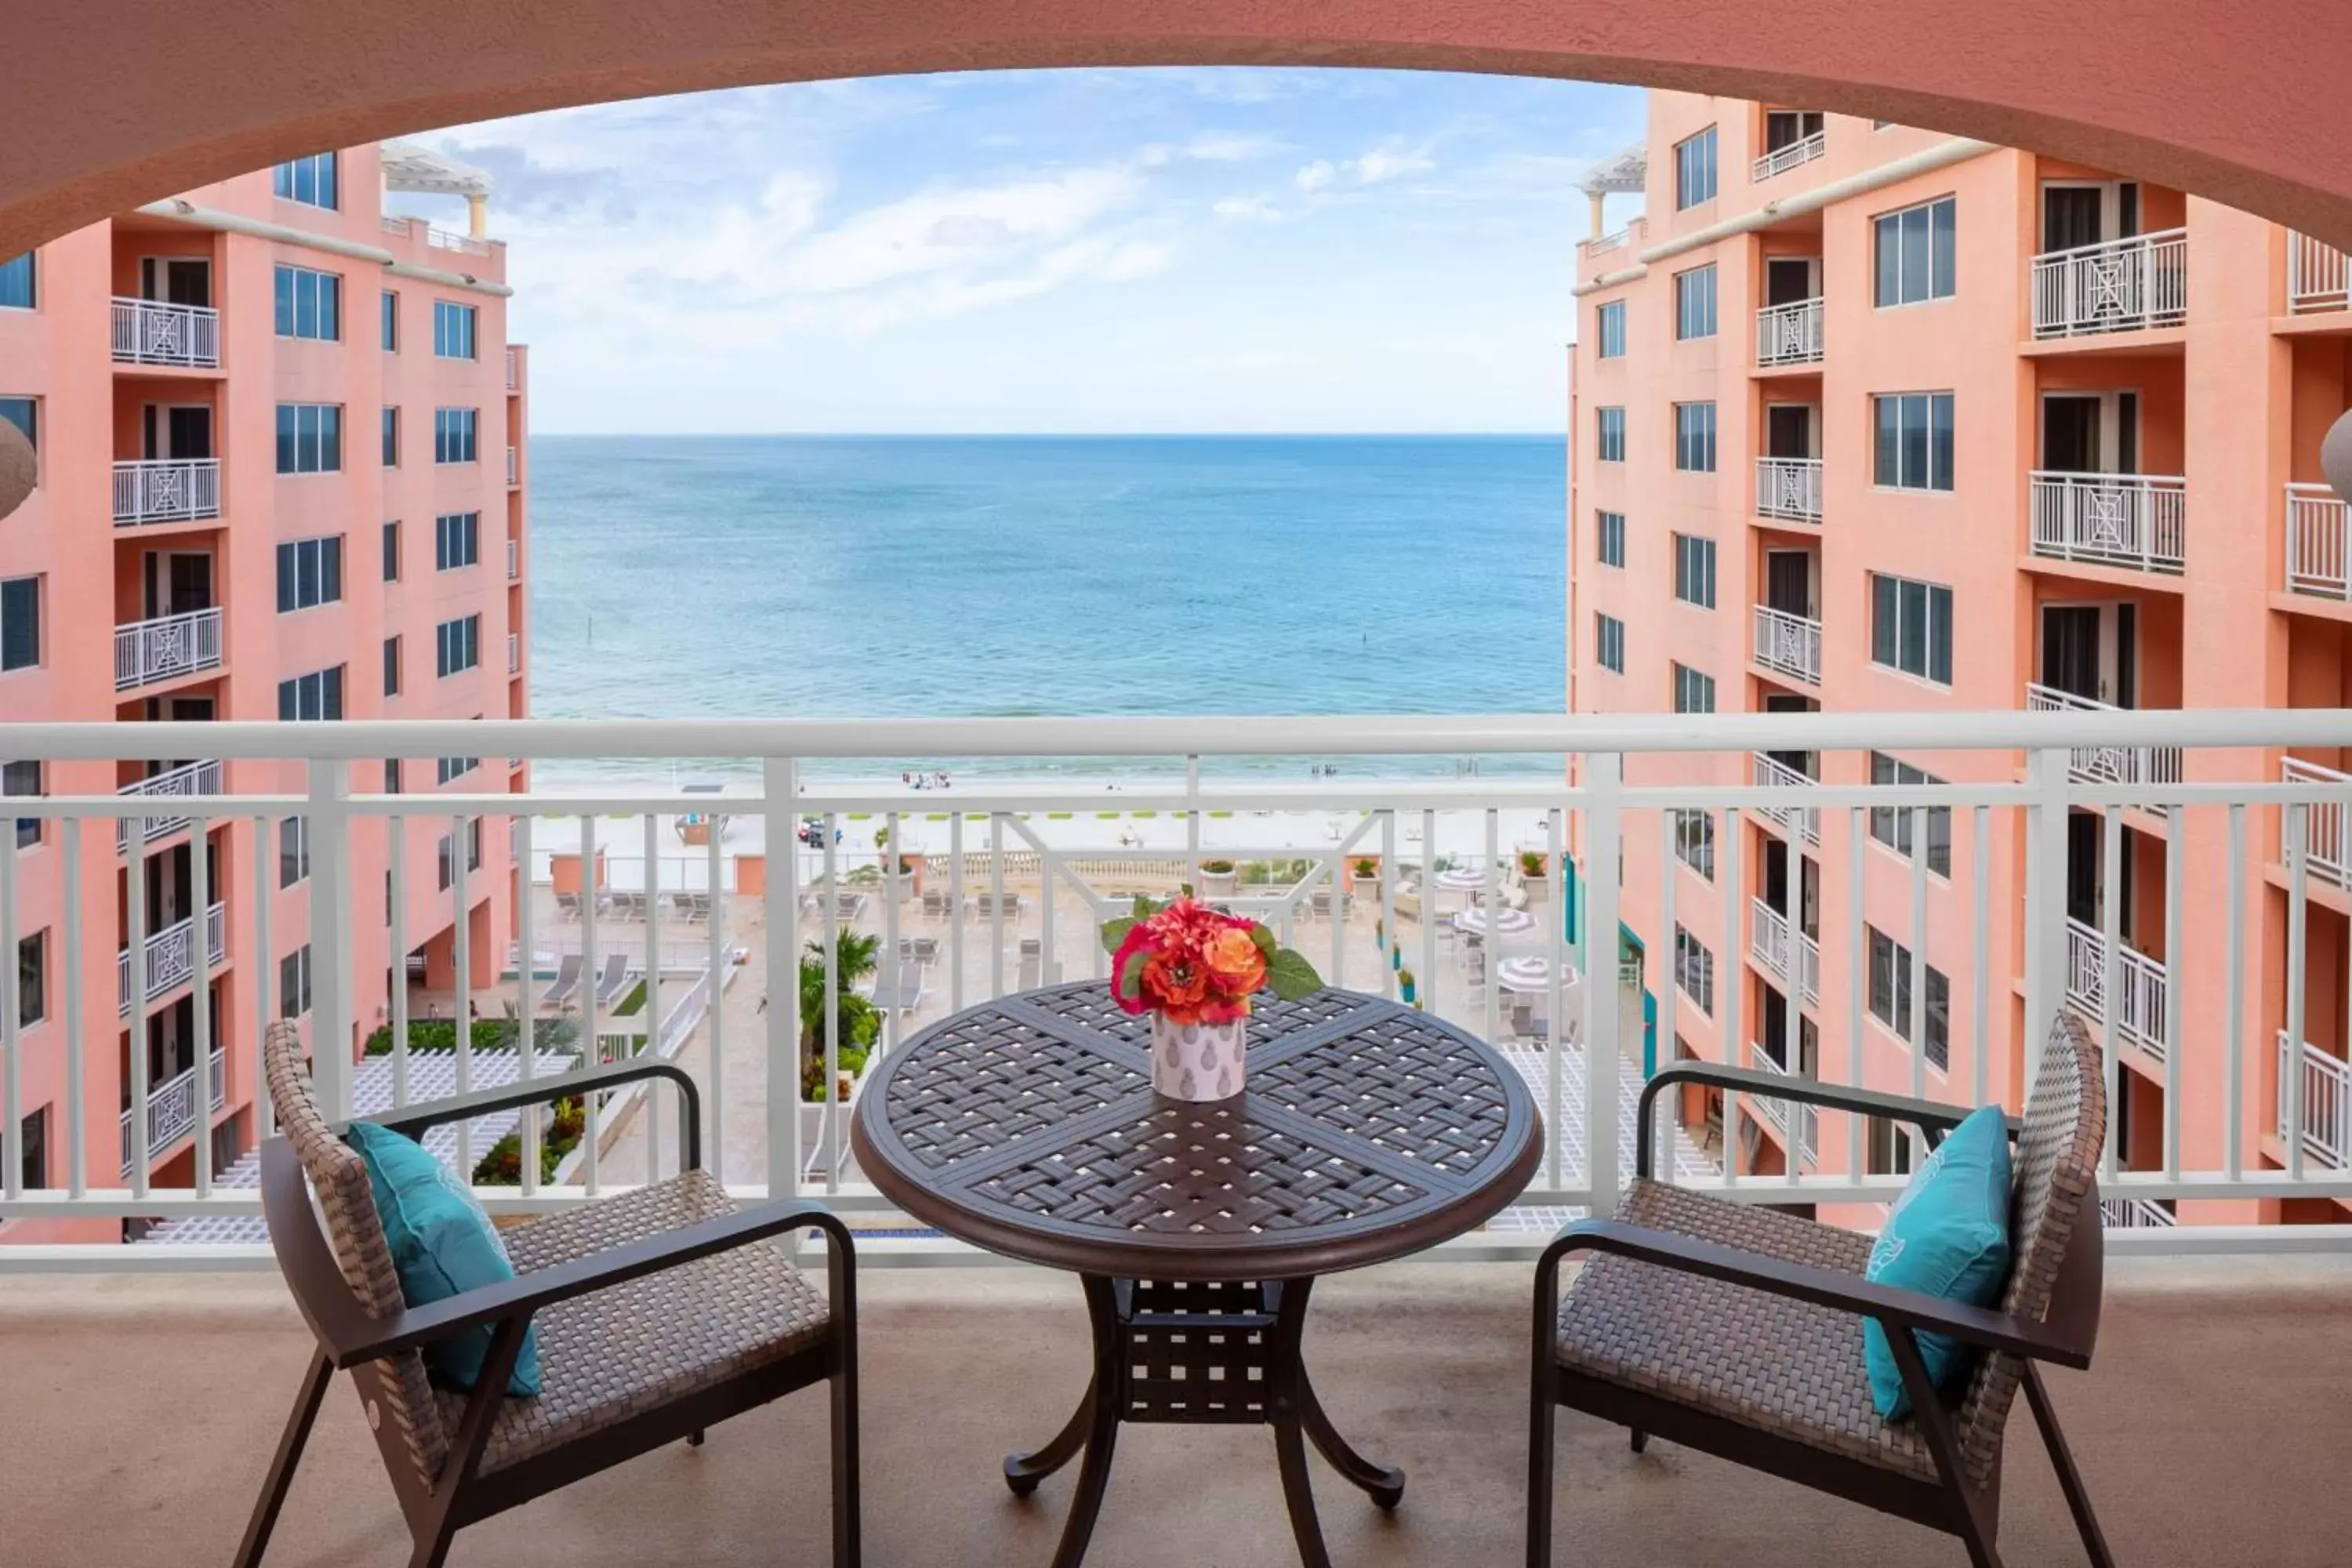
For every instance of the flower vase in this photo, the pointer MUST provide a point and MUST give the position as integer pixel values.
(1197, 1061)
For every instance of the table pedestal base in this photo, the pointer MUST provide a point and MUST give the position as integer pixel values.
(1168, 1351)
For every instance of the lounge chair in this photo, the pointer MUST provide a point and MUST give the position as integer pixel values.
(938, 903)
(1738, 1330)
(567, 982)
(694, 909)
(614, 979)
(740, 1326)
(568, 905)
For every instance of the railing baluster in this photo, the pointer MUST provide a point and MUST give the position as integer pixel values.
(1425, 991)
(1603, 778)
(1727, 977)
(829, 924)
(200, 888)
(886, 977)
(2297, 967)
(780, 791)
(2234, 1158)
(1598, 972)
(396, 841)
(2175, 849)
(77, 1085)
(650, 1014)
(1919, 958)
(461, 955)
(1392, 936)
(1670, 988)
(2111, 882)
(591, 1049)
(1490, 940)
(996, 903)
(1981, 957)
(134, 903)
(1792, 916)
(329, 830)
(714, 1134)
(12, 1083)
(526, 995)
(1856, 967)
(955, 911)
(264, 969)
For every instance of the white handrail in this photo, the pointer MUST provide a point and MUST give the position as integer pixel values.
(1788, 644)
(2113, 286)
(166, 648)
(1789, 488)
(166, 490)
(2318, 544)
(1780, 160)
(155, 332)
(2111, 520)
(1789, 334)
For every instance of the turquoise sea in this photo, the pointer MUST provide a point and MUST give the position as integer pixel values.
(806, 577)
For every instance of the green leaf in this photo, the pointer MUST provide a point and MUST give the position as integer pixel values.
(1291, 976)
(1130, 981)
(1264, 939)
(1114, 932)
(1144, 908)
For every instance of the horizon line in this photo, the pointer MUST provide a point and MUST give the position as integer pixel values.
(1074, 435)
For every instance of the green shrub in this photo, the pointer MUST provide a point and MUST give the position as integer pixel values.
(502, 1166)
(1216, 867)
(630, 1006)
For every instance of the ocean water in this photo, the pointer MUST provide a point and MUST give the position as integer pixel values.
(811, 577)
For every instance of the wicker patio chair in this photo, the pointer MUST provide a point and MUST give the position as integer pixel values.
(1738, 1330)
(661, 1313)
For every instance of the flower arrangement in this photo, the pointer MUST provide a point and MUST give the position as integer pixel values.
(1194, 965)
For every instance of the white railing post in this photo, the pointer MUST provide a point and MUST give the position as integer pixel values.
(2045, 894)
(1604, 773)
(779, 784)
(329, 826)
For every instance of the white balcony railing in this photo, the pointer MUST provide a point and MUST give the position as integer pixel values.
(1776, 1112)
(444, 239)
(514, 467)
(391, 224)
(1780, 160)
(514, 653)
(171, 1111)
(1767, 943)
(2141, 992)
(514, 560)
(1789, 488)
(2134, 1214)
(2324, 846)
(1789, 334)
(2316, 275)
(2111, 520)
(2107, 764)
(2317, 561)
(151, 331)
(167, 489)
(166, 648)
(2327, 1103)
(187, 779)
(1789, 644)
(2118, 286)
(171, 956)
(514, 371)
(1771, 772)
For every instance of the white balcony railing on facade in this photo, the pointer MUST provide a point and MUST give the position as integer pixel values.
(2107, 765)
(2142, 991)
(2316, 275)
(166, 490)
(514, 653)
(187, 779)
(1789, 488)
(2112, 520)
(391, 224)
(171, 956)
(514, 560)
(2318, 561)
(2324, 846)
(166, 648)
(1776, 1112)
(1789, 334)
(1789, 644)
(1780, 160)
(1771, 772)
(171, 1111)
(2327, 1108)
(2116, 286)
(1602, 244)
(2134, 1214)
(1185, 790)
(151, 332)
(514, 467)
(445, 239)
(1767, 943)
(514, 371)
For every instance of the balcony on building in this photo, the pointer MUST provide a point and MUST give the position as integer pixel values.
(1789, 470)
(2114, 256)
(1792, 138)
(1786, 627)
(163, 783)
(172, 1114)
(1788, 770)
(2106, 490)
(2103, 657)
(1769, 933)
(2317, 275)
(1798, 1127)
(171, 472)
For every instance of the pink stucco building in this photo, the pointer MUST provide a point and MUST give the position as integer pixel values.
(280, 447)
(1869, 418)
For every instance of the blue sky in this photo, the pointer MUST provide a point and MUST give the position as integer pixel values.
(1052, 251)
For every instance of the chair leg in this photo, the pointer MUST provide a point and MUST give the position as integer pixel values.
(274, 1486)
(1542, 1417)
(2070, 1479)
(694, 1439)
(1638, 1440)
(846, 1527)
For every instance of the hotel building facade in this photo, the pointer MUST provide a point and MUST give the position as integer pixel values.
(1868, 418)
(281, 465)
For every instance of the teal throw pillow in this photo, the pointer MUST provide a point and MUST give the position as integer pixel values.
(1946, 1236)
(443, 1245)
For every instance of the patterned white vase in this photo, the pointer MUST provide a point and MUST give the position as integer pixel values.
(1197, 1061)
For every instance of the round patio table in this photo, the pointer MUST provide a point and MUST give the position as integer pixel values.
(1508, 923)
(1368, 1131)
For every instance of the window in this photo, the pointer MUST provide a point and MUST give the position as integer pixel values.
(1918, 249)
(1693, 693)
(35, 1147)
(24, 414)
(1695, 170)
(316, 696)
(1695, 840)
(309, 304)
(453, 330)
(294, 982)
(1889, 1149)
(391, 552)
(1694, 438)
(442, 860)
(1895, 826)
(391, 438)
(313, 180)
(24, 778)
(452, 433)
(456, 540)
(1911, 627)
(1914, 440)
(392, 666)
(389, 321)
(309, 573)
(1612, 538)
(293, 850)
(448, 768)
(1694, 303)
(391, 786)
(460, 645)
(17, 283)
(1609, 430)
(1609, 327)
(32, 979)
(1610, 638)
(1890, 997)
(310, 439)
(1695, 969)
(20, 623)
(1695, 569)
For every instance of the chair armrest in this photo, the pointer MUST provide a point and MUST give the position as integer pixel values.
(414, 1119)
(1891, 1305)
(1932, 1117)
(526, 1293)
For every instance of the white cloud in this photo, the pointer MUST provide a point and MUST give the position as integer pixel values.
(1230, 147)
(949, 229)
(1315, 175)
(1241, 209)
(1390, 161)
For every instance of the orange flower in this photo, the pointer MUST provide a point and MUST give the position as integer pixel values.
(1235, 962)
(1177, 985)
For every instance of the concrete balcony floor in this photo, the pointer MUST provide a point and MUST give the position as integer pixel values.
(140, 1411)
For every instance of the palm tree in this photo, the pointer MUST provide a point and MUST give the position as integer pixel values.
(855, 956)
